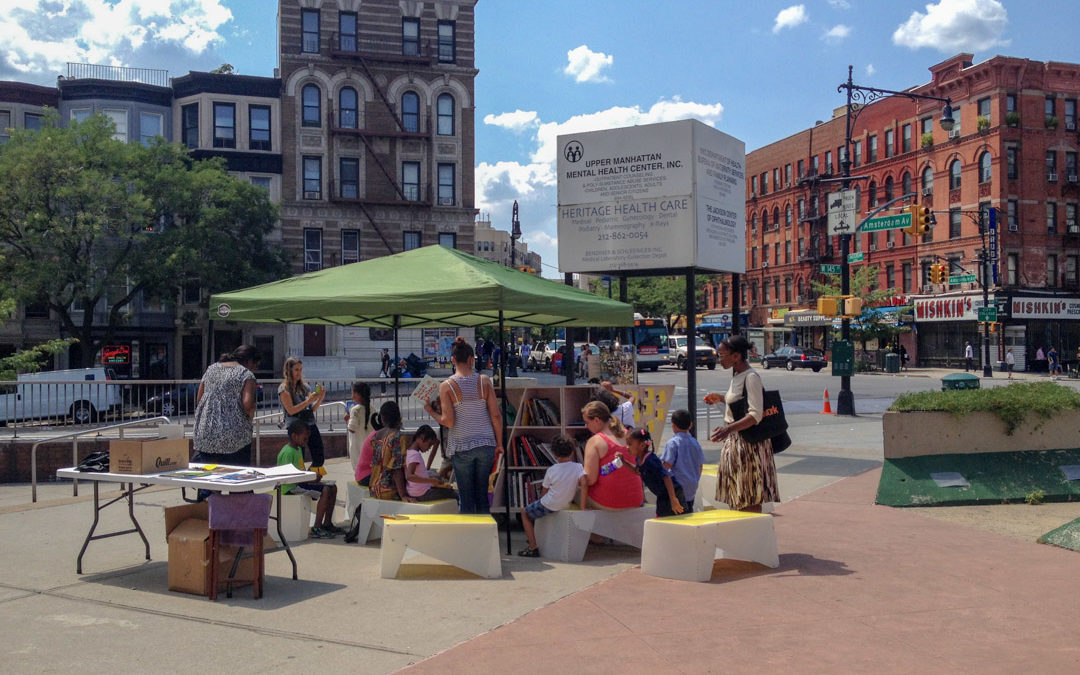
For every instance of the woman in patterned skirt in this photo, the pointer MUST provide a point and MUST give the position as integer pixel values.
(747, 476)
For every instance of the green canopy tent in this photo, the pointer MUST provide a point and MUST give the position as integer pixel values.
(434, 286)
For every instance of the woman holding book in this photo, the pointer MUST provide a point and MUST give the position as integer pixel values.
(469, 409)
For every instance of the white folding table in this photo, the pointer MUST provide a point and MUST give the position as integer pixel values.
(273, 478)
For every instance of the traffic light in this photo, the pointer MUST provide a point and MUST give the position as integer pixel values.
(935, 274)
(826, 306)
(921, 220)
(853, 306)
(944, 273)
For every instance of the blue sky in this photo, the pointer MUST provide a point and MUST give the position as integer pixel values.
(756, 70)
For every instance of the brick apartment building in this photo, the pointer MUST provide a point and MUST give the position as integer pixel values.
(1014, 148)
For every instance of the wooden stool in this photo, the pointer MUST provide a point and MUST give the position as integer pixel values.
(238, 520)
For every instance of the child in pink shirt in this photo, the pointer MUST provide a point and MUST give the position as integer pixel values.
(418, 483)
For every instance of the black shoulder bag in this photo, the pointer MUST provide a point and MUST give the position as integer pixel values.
(773, 424)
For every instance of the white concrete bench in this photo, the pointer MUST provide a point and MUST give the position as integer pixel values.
(706, 491)
(470, 542)
(295, 517)
(355, 493)
(372, 510)
(684, 547)
(564, 535)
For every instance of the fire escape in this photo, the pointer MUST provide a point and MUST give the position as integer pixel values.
(380, 119)
(818, 249)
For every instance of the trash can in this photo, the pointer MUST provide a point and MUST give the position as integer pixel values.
(892, 363)
(958, 381)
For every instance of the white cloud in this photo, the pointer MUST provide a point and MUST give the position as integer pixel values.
(837, 33)
(585, 65)
(840, 4)
(516, 121)
(790, 17)
(870, 69)
(955, 26)
(40, 36)
(534, 184)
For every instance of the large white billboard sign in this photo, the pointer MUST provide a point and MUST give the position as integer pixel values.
(657, 196)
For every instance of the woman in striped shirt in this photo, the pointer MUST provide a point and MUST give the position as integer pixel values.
(469, 409)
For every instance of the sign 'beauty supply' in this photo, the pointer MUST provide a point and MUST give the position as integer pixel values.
(655, 196)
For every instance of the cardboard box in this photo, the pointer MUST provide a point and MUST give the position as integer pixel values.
(187, 531)
(143, 456)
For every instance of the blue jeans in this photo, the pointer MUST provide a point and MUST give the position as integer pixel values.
(471, 470)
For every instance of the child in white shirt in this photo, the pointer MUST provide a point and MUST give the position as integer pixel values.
(561, 482)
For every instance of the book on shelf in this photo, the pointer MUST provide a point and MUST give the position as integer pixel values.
(528, 451)
(540, 412)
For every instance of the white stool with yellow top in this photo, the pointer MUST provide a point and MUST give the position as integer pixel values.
(684, 547)
(470, 542)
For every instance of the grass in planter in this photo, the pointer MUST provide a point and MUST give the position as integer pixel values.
(1011, 403)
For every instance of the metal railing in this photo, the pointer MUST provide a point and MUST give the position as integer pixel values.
(154, 76)
(74, 436)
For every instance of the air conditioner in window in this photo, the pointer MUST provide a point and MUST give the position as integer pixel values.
(927, 191)
(1070, 225)
(1013, 227)
(890, 244)
(753, 195)
(1070, 126)
(446, 201)
(1072, 178)
(873, 247)
(764, 264)
(312, 195)
(1051, 177)
(955, 133)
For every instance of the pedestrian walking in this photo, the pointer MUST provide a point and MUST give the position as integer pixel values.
(1010, 361)
(1055, 364)
(385, 372)
(969, 357)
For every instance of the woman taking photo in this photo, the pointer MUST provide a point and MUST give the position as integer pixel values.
(298, 401)
(747, 470)
(468, 408)
(607, 487)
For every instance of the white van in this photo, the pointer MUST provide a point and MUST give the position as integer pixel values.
(83, 395)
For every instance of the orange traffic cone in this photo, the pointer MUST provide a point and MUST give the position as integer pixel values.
(827, 408)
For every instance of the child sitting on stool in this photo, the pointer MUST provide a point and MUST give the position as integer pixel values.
(561, 481)
(324, 492)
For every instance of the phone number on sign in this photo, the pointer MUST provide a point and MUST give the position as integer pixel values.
(618, 236)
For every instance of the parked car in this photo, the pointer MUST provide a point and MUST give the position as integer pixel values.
(84, 395)
(795, 357)
(706, 355)
(540, 356)
(179, 400)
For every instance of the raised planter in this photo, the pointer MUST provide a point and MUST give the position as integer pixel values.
(916, 434)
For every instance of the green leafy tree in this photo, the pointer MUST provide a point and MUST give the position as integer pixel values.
(90, 222)
(26, 360)
(663, 296)
(872, 324)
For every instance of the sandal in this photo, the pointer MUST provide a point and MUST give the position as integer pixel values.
(334, 529)
(320, 533)
(529, 553)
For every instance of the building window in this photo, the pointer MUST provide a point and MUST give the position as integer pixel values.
(802, 210)
(753, 185)
(312, 102)
(77, 114)
(984, 167)
(1070, 114)
(905, 137)
(724, 294)
(446, 115)
(787, 175)
(890, 275)
(1010, 103)
(800, 168)
(312, 250)
(259, 127)
(261, 182)
(309, 21)
(765, 289)
(1071, 226)
(347, 31)
(905, 273)
(787, 289)
(410, 111)
(776, 253)
(954, 175)
(350, 178)
(905, 183)
(32, 121)
(192, 292)
(776, 179)
(1049, 107)
(410, 180)
(954, 223)
(764, 221)
(753, 257)
(1070, 270)
(347, 108)
(1051, 218)
(1070, 166)
(1014, 215)
(787, 251)
(872, 148)
(447, 52)
(446, 184)
(753, 224)
(149, 127)
(224, 125)
(871, 192)
(189, 125)
(765, 183)
(1012, 263)
(1051, 270)
(890, 142)
(410, 239)
(448, 239)
(856, 158)
(410, 37)
(889, 185)
(312, 177)
(1051, 166)
(350, 246)
(787, 216)
(1012, 162)
(984, 108)
(120, 121)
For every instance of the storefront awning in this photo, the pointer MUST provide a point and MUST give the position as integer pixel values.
(806, 318)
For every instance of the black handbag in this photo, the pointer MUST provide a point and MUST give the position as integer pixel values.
(773, 423)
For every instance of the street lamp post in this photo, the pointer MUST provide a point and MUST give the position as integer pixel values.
(858, 97)
(515, 234)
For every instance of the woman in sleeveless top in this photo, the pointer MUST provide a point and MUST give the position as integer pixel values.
(298, 401)
(468, 408)
(619, 488)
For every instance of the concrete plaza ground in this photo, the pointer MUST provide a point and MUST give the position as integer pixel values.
(860, 588)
